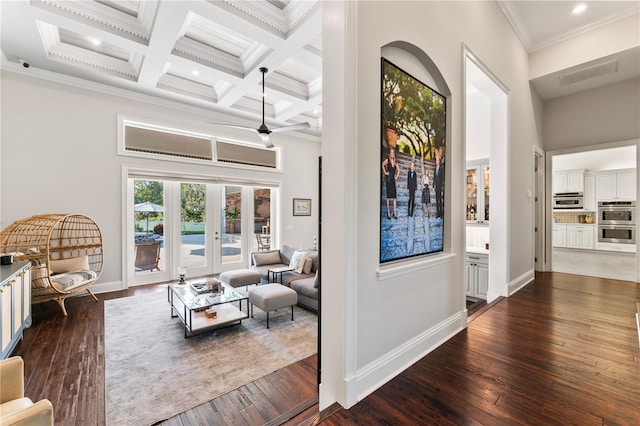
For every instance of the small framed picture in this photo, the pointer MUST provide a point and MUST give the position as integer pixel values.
(302, 207)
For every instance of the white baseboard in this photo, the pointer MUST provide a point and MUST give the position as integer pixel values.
(519, 282)
(98, 288)
(379, 372)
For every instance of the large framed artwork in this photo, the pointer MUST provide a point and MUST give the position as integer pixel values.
(412, 158)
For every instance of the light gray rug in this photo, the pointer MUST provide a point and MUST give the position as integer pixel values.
(153, 372)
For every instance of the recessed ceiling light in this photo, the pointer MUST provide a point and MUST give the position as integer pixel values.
(95, 41)
(579, 9)
(195, 72)
(315, 111)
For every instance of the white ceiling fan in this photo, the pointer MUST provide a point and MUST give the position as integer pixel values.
(263, 131)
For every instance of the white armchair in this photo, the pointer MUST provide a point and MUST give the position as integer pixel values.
(15, 408)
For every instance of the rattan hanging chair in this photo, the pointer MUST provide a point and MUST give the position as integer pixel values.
(65, 251)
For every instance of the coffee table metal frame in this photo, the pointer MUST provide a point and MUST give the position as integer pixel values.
(190, 308)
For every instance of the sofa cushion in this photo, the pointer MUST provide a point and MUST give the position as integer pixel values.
(14, 405)
(315, 280)
(71, 280)
(297, 260)
(305, 287)
(72, 264)
(308, 263)
(313, 255)
(286, 253)
(266, 258)
(289, 277)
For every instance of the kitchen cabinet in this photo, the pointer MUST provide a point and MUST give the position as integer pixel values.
(625, 248)
(559, 237)
(589, 199)
(15, 305)
(477, 272)
(568, 181)
(478, 180)
(618, 185)
(580, 236)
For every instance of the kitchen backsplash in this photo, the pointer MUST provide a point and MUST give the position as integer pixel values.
(477, 236)
(572, 217)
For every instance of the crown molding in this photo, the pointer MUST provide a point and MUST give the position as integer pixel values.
(517, 25)
(584, 29)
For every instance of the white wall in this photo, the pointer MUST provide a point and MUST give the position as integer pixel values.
(59, 156)
(597, 116)
(378, 320)
(478, 140)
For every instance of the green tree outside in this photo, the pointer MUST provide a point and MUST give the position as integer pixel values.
(416, 112)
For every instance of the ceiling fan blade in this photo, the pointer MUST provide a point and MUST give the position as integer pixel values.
(232, 126)
(266, 140)
(299, 126)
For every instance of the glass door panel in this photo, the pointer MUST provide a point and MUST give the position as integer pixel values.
(148, 211)
(261, 219)
(472, 194)
(193, 253)
(487, 181)
(231, 229)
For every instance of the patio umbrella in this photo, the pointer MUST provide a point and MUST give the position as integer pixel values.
(148, 207)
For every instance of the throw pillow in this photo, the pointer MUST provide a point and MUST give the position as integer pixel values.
(69, 265)
(297, 261)
(267, 258)
(308, 263)
(315, 281)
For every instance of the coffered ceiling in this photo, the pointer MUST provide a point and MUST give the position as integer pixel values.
(204, 53)
(208, 52)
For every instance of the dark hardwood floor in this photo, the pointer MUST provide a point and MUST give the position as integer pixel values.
(563, 350)
(64, 362)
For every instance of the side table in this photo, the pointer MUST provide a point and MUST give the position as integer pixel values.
(275, 271)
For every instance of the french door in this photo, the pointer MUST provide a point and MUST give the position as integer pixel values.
(205, 227)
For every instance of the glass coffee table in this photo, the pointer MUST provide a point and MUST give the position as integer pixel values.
(190, 307)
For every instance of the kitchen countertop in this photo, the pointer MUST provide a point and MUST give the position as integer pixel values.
(477, 250)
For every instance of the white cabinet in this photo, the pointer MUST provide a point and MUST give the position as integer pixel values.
(589, 200)
(625, 248)
(569, 181)
(15, 305)
(626, 185)
(616, 185)
(559, 237)
(580, 236)
(477, 275)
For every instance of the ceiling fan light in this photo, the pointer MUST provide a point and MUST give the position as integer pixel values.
(266, 140)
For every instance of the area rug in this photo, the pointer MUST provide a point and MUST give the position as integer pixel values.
(152, 372)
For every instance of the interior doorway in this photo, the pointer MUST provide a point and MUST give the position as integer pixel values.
(603, 178)
(486, 153)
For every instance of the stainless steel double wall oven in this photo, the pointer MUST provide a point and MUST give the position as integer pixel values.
(617, 222)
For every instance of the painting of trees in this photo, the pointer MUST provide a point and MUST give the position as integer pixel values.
(414, 111)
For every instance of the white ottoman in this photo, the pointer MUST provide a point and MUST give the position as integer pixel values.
(240, 277)
(270, 297)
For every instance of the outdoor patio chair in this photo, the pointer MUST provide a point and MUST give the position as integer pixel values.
(264, 242)
(147, 256)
